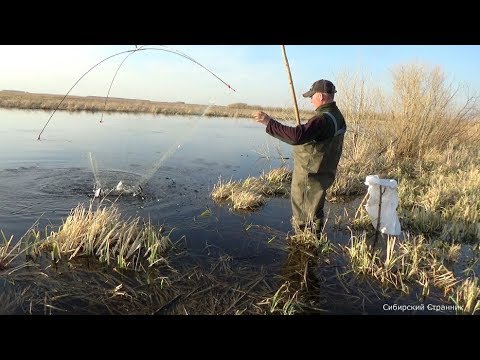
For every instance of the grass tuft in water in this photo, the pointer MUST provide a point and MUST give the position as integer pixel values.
(250, 193)
(103, 234)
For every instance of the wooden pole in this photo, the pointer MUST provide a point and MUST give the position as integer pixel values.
(377, 232)
(291, 84)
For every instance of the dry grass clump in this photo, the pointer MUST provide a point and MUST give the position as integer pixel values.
(316, 240)
(278, 175)
(250, 193)
(8, 252)
(246, 200)
(254, 185)
(467, 296)
(446, 251)
(101, 233)
(444, 203)
(410, 260)
(443, 191)
(414, 261)
(223, 190)
(309, 237)
(298, 290)
(277, 181)
(286, 300)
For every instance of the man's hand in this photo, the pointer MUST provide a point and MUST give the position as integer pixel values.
(261, 117)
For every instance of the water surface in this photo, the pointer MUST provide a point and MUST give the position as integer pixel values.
(176, 159)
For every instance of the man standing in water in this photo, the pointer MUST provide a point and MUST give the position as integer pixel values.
(317, 149)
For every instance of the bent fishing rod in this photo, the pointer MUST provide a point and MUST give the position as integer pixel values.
(142, 47)
(113, 79)
(130, 52)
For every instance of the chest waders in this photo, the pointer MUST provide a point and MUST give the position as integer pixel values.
(315, 166)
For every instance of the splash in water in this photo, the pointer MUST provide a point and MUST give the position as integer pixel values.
(103, 190)
(136, 190)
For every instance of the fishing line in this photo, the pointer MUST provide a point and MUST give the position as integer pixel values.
(93, 164)
(130, 52)
(111, 83)
(120, 65)
(149, 173)
(147, 176)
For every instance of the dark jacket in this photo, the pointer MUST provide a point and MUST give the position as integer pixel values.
(319, 127)
(316, 150)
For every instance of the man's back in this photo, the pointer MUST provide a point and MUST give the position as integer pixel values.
(322, 156)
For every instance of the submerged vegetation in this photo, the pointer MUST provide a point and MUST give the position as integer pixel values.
(425, 136)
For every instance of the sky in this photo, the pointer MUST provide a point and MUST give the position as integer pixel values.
(256, 72)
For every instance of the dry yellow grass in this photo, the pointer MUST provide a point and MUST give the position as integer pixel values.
(310, 239)
(8, 252)
(103, 234)
(246, 200)
(415, 261)
(412, 260)
(48, 102)
(426, 137)
(223, 190)
(286, 300)
(467, 296)
(250, 193)
(278, 175)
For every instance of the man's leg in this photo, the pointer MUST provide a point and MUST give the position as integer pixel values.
(315, 201)
(297, 195)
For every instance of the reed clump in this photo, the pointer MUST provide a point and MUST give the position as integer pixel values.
(250, 194)
(411, 262)
(101, 233)
(8, 251)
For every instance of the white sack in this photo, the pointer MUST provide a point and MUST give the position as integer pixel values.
(389, 223)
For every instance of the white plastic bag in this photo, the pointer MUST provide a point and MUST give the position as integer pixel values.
(389, 223)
